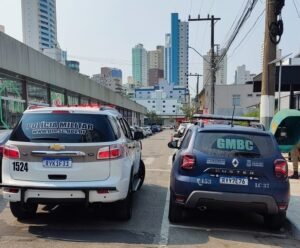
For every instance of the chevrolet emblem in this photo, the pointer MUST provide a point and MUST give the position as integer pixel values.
(57, 147)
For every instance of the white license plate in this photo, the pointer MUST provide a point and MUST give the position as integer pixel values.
(234, 180)
(57, 163)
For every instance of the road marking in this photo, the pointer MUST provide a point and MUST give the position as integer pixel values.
(148, 160)
(164, 231)
(170, 160)
(229, 230)
(160, 170)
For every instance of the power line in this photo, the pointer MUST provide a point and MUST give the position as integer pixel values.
(249, 31)
(296, 9)
(242, 20)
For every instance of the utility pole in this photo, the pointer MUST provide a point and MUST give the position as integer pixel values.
(213, 20)
(197, 87)
(273, 28)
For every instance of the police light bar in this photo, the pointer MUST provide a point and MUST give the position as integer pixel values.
(225, 118)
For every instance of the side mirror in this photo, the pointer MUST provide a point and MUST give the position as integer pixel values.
(138, 135)
(173, 144)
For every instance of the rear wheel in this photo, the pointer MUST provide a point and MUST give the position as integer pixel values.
(275, 221)
(141, 174)
(176, 212)
(23, 210)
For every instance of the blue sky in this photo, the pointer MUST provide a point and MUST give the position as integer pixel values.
(102, 32)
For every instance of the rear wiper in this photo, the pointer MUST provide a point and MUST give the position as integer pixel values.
(46, 138)
(246, 153)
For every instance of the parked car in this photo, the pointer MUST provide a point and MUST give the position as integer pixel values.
(229, 167)
(4, 136)
(71, 154)
(148, 131)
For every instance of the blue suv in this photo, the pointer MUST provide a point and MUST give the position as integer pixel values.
(229, 167)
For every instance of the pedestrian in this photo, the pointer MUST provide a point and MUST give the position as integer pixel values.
(295, 159)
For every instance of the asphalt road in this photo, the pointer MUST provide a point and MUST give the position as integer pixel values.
(76, 226)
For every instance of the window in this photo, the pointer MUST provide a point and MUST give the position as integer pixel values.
(258, 94)
(153, 101)
(149, 101)
(186, 140)
(174, 106)
(164, 106)
(128, 130)
(173, 111)
(153, 106)
(73, 128)
(249, 95)
(236, 100)
(164, 101)
(148, 92)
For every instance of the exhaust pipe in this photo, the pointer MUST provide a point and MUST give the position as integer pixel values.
(202, 208)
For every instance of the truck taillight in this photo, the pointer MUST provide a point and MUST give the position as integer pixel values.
(10, 151)
(110, 152)
(188, 162)
(280, 168)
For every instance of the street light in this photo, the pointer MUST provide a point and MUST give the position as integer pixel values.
(199, 54)
(280, 72)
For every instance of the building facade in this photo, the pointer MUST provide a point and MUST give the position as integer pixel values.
(164, 99)
(239, 95)
(39, 23)
(2, 29)
(221, 74)
(179, 51)
(73, 65)
(242, 75)
(167, 58)
(110, 78)
(139, 65)
(154, 76)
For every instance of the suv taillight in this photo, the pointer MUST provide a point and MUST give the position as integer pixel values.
(10, 151)
(188, 162)
(280, 168)
(110, 152)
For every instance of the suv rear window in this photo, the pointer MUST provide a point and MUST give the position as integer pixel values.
(234, 144)
(64, 128)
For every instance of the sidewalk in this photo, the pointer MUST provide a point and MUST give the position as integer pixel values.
(293, 213)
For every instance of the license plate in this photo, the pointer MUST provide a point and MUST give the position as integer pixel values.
(234, 180)
(57, 163)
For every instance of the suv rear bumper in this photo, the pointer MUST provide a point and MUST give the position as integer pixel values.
(219, 200)
(63, 194)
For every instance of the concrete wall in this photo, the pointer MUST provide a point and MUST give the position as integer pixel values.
(224, 95)
(18, 58)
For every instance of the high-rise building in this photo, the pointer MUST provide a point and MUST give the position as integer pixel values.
(2, 29)
(39, 24)
(139, 65)
(167, 58)
(179, 51)
(155, 65)
(110, 78)
(221, 74)
(242, 75)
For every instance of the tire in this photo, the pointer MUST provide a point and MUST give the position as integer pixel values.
(23, 211)
(176, 212)
(275, 221)
(123, 208)
(141, 174)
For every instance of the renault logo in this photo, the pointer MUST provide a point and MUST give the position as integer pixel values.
(57, 147)
(235, 163)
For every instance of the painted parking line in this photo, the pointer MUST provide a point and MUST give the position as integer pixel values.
(170, 160)
(164, 230)
(276, 235)
(148, 160)
(160, 170)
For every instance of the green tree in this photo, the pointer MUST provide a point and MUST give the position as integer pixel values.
(152, 118)
(188, 111)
